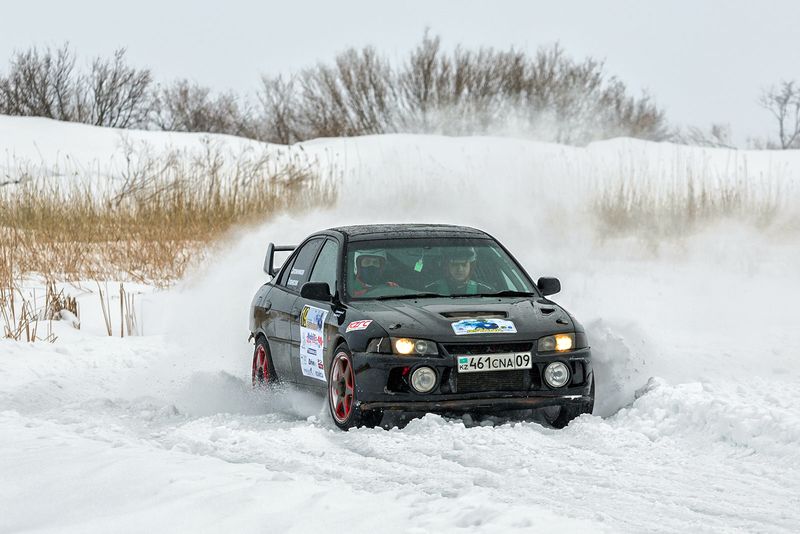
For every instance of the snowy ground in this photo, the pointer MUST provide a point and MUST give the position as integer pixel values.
(697, 426)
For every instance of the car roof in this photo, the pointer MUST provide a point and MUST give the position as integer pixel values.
(364, 232)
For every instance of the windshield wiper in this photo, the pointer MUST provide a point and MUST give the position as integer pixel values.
(509, 293)
(411, 296)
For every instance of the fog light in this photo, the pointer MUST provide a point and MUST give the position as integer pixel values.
(556, 375)
(423, 379)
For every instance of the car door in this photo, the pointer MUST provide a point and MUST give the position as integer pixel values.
(317, 324)
(282, 301)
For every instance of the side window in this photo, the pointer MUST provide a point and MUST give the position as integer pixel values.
(301, 268)
(325, 268)
(285, 272)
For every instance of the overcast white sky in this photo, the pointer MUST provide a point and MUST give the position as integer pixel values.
(703, 61)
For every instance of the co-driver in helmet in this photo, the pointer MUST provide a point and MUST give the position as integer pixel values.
(370, 267)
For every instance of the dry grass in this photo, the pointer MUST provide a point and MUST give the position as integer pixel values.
(151, 220)
(657, 207)
(22, 313)
(146, 222)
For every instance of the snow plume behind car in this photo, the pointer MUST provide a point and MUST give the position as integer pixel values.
(658, 304)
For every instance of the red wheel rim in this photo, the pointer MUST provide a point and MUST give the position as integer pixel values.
(342, 386)
(260, 366)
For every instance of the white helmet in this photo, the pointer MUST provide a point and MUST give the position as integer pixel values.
(379, 252)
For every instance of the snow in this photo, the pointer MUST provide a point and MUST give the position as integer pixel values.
(696, 425)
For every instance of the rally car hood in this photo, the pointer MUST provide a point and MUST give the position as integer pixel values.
(434, 318)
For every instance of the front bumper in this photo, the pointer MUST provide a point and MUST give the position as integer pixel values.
(377, 387)
(476, 404)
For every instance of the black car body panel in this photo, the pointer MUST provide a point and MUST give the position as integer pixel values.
(382, 379)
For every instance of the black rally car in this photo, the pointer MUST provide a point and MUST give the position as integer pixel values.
(418, 318)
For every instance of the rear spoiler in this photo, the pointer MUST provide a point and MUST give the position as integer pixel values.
(269, 268)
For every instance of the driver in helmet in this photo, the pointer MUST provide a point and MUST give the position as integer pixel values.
(370, 266)
(458, 266)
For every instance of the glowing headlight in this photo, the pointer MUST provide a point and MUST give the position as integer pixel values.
(558, 343)
(402, 346)
(405, 346)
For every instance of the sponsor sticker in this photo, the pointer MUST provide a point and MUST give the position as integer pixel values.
(312, 318)
(358, 325)
(483, 326)
(312, 341)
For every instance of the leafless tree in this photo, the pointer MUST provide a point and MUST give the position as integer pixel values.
(45, 84)
(783, 102)
(189, 107)
(40, 83)
(545, 95)
(549, 95)
(278, 121)
(115, 94)
(352, 97)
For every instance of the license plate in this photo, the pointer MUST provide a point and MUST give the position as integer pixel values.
(494, 362)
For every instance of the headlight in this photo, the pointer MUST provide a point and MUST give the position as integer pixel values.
(406, 346)
(403, 346)
(557, 343)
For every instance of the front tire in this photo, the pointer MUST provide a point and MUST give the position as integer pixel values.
(343, 396)
(560, 416)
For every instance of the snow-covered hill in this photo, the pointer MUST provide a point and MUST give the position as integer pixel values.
(696, 426)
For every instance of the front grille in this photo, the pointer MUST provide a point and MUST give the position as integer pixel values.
(486, 348)
(491, 381)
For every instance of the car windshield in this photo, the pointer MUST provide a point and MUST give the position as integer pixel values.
(427, 268)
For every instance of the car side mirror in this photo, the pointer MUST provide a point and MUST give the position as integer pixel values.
(548, 286)
(316, 291)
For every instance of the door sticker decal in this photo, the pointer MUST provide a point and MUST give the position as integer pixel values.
(312, 342)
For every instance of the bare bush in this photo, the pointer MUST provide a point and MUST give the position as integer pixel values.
(465, 92)
(189, 107)
(115, 94)
(352, 97)
(783, 102)
(40, 83)
(45, 83)
(279, 122)
(547, 96)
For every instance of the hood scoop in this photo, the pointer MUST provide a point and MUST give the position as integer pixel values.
(547, 311)
(473, 314)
